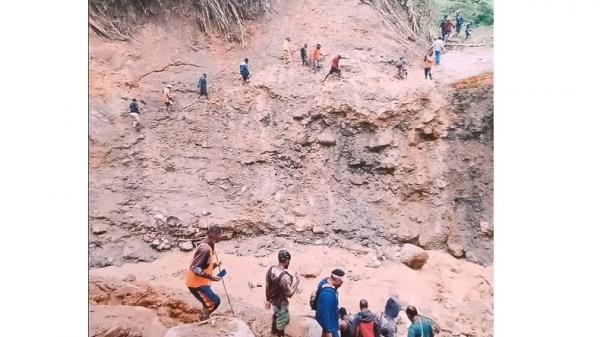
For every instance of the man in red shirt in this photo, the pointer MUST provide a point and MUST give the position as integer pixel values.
(335, 67)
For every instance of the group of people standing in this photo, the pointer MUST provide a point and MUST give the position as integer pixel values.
(280, 286)
(447, 26)
(312, 58)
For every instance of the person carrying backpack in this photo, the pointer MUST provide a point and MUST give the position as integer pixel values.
(347, 328)
(134, 112)
(326, 303)
(280, 286)
(244, 71)
(366, 322)
(388, 318)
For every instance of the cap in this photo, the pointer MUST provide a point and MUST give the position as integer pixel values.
(284, 255)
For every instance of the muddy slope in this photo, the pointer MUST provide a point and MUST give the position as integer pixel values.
(366, 158)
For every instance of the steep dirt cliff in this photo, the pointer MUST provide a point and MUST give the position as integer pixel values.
(368, 157)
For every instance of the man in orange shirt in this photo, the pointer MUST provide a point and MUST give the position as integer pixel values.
(315, 57)
(200, 273)
(428, 64)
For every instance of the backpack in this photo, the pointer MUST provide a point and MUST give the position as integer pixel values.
(388, 326)
(243, 69)
(313, 300)
(275, 286)
(314, 296)
(365, 329)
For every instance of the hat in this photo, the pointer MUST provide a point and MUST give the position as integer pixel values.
(169, 86)
(284, 255)
(338, 274)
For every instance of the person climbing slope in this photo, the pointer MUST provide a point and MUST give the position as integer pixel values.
(459, 21)
(200, 273)
(304, 55)
(134, 112)
(335, 67)
(167, 98)
(447, 28)
(467, 31)
(287, 53)
(244, 70)
(421, 326)
(202, 86)
(316, 57)
(438, 47)
(327, 303)
(280, 286)
(428, 64)
(366, 322)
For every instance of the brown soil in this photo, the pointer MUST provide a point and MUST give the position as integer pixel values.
(350, 169)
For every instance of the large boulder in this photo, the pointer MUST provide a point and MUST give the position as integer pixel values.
(186, 246)
(230, 327)
(413, 256)
(303, 326)
(123, 321)
(309, 270)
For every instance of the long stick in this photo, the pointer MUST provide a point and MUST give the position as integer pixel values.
(222, 279)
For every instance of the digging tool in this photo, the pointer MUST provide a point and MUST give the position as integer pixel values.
(222, 279)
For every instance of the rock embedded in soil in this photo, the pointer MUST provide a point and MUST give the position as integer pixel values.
(161, 217)
(233, 327)
(486, 228)
(356, 180)
(381, 141)
(99, 229)
(318, 229)
(326, 138)
(456, 249)
(434, 237)
(186, 246)
(413, 256)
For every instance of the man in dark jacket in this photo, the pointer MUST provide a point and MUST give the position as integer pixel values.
(304, 55)
(327, 303)
(459, 21)
(388, 320)
(134, 112)
(366, 322)
(244, 70)
(347, 328)
(202, 86)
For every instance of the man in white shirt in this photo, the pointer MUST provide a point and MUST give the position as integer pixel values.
(287, 53)
(438, 46)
